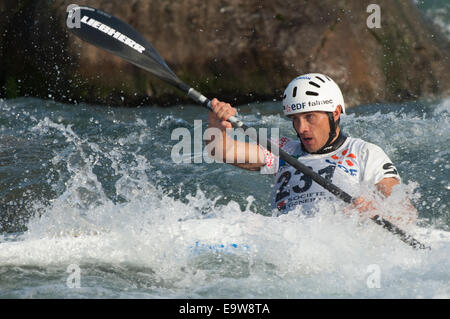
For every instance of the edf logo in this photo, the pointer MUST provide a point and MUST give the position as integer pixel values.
(298, 106)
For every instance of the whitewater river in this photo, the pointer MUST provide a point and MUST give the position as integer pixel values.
(93, 206)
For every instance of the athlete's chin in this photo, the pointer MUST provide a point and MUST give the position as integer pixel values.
(310, 149)
(310, 145)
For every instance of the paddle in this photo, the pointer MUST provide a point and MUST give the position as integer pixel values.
(109, 33)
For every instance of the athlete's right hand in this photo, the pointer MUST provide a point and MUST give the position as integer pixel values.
(221, 112)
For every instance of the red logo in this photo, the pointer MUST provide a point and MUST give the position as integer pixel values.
(344, 161)
(348, 159)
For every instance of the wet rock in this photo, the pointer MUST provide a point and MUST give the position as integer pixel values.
(237, 50)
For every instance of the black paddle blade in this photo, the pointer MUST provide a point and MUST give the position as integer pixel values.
(109, 33)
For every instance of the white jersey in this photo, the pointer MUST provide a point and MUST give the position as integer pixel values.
(353, 164)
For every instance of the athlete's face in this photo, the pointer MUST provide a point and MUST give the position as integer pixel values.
(313, 129)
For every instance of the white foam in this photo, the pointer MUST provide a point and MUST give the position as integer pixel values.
(157, 232)
(287, 256)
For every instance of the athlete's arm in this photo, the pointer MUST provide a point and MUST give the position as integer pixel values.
(241, 154)
(386, 184)
(385, 187)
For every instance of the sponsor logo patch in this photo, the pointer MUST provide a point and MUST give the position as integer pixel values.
(345, 161)
(112, 33)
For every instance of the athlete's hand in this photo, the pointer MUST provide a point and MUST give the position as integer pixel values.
(365, 207)
(221, 112)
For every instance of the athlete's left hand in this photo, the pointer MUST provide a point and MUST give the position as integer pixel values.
(365, 207)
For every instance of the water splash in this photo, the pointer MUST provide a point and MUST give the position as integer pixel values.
(130, 220)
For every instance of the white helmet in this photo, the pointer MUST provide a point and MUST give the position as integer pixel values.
(312, 92)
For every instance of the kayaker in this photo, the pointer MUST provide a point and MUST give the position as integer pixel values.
(314, 103)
